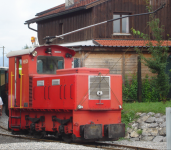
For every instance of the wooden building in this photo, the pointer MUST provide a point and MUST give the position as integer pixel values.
(109, 45)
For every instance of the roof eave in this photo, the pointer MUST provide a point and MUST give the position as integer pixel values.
(54, 15)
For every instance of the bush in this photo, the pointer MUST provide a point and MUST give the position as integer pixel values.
(149, 89)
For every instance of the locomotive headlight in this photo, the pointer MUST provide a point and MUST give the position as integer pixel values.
(48, 50)
(34, 53)
(80, 107)
(99, 93)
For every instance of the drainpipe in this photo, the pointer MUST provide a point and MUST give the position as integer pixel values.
(31, 28)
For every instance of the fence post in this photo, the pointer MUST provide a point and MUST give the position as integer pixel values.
(123, 69)
(139, 92)
(168, 127)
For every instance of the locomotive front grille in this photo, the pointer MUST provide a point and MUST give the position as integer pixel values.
(30, 91)
(99, 87)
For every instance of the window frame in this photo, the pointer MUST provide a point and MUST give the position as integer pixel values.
(61, 28)
(121, 14)
(49, 56)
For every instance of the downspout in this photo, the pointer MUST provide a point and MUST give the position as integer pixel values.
(31, 28)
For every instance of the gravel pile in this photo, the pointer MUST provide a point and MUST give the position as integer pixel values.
(15, 143)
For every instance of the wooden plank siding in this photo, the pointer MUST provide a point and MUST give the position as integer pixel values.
(116, 62)
(102, 12)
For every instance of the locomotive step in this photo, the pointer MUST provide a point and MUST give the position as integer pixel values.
(14, 126)
(17, 117)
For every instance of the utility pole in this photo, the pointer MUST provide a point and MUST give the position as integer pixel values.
(3, 54)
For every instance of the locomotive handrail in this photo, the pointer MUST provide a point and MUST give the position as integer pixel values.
(50, 39)
(44, 92)
(21, 89)
(11, 89)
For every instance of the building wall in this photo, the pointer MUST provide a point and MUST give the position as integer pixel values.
(101, 13)
(117, 62)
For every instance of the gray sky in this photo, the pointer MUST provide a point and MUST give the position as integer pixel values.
(14, 35)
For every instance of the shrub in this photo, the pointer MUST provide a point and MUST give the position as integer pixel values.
(150, 91)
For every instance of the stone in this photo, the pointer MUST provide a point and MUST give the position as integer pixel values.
(147, 138)
(138, 113)
(153, 125)
(143, 114)
(143, 125)
(163, 125)
(164, 117)
(150, 120)
(143, 118)
(134, 139)
(127, 136)
(135, 126)
(158, 115)
(134, 134)
(150, 113)
(158, 139)
(154, 131)
(129, 130)
(162, 132)
(146, 132)
(165, 139)
(159, 120)
(150, 131)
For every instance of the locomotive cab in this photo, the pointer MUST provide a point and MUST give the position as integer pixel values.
(47, 96)
(40, 61)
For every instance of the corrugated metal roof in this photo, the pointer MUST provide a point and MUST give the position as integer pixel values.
(20, 52)
(80, 43)
(61, 10)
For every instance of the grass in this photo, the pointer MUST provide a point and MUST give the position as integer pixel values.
(130, 109)
(156, 107)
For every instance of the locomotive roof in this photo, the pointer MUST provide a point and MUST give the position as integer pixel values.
(30, 50)
(3, 68)
(20, 52)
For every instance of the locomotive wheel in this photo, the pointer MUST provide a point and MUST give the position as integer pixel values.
(67, 138)
(39, 135)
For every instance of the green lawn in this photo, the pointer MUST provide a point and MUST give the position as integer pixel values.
(156, 107)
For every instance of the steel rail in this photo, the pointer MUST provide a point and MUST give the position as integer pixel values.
(50, 39)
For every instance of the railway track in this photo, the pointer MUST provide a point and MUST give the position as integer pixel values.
(108, 146)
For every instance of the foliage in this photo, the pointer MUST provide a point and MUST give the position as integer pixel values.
(149, 89)
(26, 47)
(158, 62)
(146, 107)
(139, 131)
(130, 89)
(128, 117)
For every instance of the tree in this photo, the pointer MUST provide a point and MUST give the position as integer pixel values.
(26, 47)
(159, 52)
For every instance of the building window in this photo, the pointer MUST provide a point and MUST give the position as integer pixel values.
(121, 25)
(61, 28)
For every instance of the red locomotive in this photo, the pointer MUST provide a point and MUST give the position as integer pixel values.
(47, 96)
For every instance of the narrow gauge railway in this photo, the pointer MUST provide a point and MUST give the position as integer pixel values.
(99, 145)
(47, 96)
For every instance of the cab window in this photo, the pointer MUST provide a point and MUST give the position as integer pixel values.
(49, 64)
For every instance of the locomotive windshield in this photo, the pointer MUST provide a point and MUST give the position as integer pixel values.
(49, 64)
